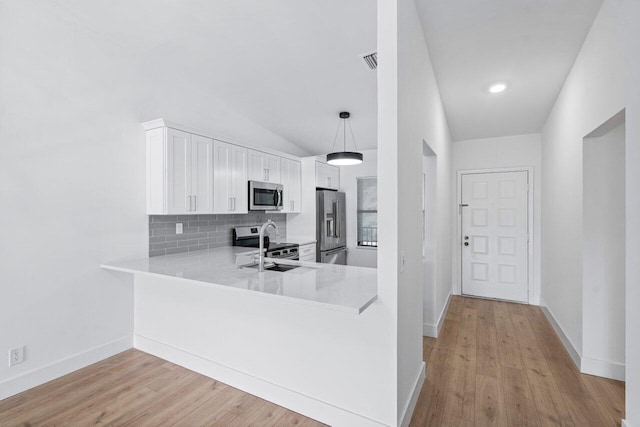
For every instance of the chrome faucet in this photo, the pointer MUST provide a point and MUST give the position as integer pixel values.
(261, 254)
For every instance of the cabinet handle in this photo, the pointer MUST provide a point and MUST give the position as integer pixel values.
(329, 181)
(234, 203)
(188, 203)
(268, 174)
(195, 203)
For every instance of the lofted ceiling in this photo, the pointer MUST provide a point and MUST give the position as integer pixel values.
(291, 65)
(288, 65)
(528, 44)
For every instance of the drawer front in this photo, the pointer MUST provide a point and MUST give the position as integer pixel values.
(309, 258)
(307, 250)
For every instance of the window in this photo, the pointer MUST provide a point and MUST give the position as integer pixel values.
(368, 212)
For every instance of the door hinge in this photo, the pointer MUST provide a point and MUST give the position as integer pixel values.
(460, 206)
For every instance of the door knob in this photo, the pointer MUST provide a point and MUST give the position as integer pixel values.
(466, 243)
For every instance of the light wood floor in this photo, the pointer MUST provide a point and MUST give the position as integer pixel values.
(136, 389)
(501, 364)
(495, 363)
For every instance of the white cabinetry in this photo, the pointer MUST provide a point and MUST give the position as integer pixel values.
(291, 174)
(229, 178)
(264, 167)
(327, 176)
(307, 252)
(179, 172)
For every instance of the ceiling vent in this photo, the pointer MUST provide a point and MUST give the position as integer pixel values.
(371, 59)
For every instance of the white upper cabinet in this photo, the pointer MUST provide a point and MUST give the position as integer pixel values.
(291, 173)
(230, 178)
(264, 167)
(327, 176)
(179, 172)
(202, 174)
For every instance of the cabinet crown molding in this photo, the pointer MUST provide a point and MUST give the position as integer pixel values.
(159, 123)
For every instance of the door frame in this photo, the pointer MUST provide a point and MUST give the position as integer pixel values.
(533, 291)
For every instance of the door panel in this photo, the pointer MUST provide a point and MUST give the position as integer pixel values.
(495, 235)
(202, 173)
(178, 172)
(240, 190)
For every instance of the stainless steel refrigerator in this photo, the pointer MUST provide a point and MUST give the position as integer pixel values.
(331, 227)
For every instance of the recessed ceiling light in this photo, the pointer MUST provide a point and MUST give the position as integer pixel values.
(497, 88)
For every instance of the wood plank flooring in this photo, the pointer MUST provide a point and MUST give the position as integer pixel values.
(136, 389)
(494, 364)
(501, 364)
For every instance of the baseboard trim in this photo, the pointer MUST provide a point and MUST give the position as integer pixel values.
(600, 368)
(603, 368)
(407, 413)
(309, 406)
(41, 375)
(568, 345)
(432, 331)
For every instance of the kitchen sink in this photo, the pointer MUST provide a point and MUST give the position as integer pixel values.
(281, 267)
(274, 267)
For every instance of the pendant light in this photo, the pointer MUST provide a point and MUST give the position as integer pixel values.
(344, 157)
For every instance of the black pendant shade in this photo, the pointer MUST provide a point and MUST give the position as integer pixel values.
(344, 157)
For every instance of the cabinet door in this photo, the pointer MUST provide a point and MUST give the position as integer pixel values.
(239, 181)
(321, 175)
(272, 164)
(285, 165)
(327, 176)
(257, 166)
(202, 174)
(333, 177)
(222, 175)
(290, 172)
(179, 175)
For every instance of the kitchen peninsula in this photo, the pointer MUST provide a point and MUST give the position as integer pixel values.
(308, 339)
(331, 286)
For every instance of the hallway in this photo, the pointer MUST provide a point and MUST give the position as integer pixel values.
(498, 363)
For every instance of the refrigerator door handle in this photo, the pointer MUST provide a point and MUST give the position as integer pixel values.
(336, 251)
(336, 221)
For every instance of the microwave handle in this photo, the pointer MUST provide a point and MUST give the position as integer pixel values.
(278, 198)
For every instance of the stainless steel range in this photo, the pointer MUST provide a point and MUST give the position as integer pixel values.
(250, 237)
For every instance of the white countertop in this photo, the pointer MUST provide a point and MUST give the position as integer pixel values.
(300, 240)
(339, 287)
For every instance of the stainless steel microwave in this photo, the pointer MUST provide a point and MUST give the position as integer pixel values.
(265, 196)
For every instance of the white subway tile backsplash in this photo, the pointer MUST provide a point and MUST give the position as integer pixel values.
(202, 231)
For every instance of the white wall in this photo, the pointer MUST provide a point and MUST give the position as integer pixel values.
(504, 152)
(628, 13)
(72, 182)
(605, 79)
(603, 250)
(576, 113)
(409, 112)
(358, 256)
(431, 318)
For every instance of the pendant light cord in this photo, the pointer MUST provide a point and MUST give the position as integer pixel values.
(344, 135)
(352, 137)
(336, 136)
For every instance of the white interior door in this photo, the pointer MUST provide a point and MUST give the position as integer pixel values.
(495, 235)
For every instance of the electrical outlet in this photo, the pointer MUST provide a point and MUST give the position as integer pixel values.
(16, 356)
(179, 228)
